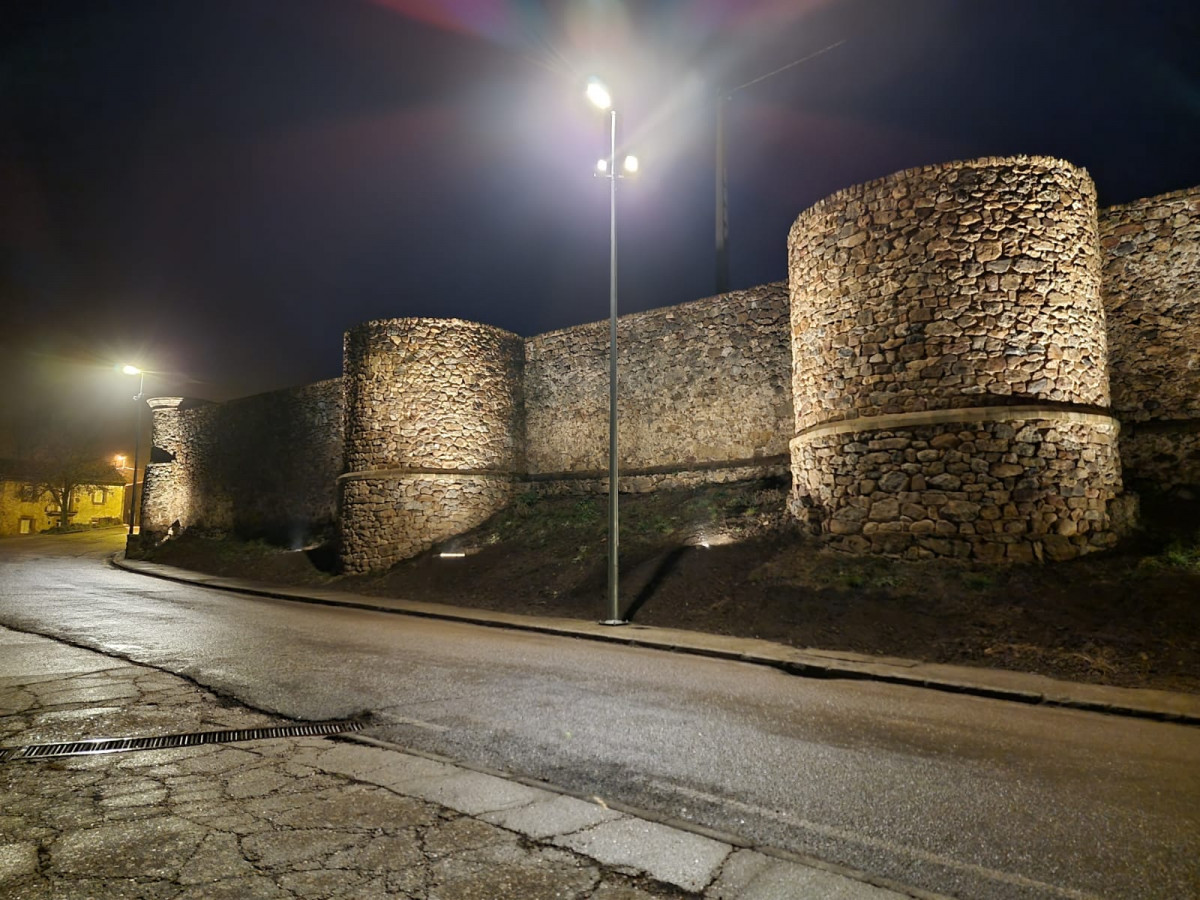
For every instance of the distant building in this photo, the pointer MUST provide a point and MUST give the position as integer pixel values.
(26, 510)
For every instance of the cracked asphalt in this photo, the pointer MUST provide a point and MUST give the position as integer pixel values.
(309, 817)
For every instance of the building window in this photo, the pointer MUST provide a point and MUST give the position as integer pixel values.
(26, 525)
(30, 493)
(98, 497)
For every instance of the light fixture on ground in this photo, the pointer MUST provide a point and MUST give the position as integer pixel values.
(599, 95)
(137, 437)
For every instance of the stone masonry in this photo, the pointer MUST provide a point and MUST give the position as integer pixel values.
(702, 386)
(434, 415)
(950, 364)
(935, 373)
(261, 467)
(1152, 298)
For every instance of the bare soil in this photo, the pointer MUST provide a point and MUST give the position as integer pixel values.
(727, 560)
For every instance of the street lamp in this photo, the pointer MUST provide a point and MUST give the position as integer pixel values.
(598, 94)
(137, 437)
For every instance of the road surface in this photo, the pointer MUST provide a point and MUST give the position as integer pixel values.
(961, 796)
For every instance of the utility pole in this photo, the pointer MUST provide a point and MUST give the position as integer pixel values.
(722, 181)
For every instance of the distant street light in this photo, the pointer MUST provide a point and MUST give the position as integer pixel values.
(137, 437)
(598, 94)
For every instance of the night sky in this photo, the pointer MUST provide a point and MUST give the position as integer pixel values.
(217, 190)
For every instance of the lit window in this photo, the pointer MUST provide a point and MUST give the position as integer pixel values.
(98, 497)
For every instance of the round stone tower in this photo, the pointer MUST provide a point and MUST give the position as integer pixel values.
(950, 364)
(433, 434)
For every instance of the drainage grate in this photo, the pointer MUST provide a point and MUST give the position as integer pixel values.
(167, 741)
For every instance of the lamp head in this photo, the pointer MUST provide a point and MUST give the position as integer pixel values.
(598, 94)
(131, 370)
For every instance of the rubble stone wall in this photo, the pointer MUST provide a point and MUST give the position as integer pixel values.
(935, 375)
(950, 290)
(434, 428)
(177, 489)
(1152, 301)
(703, 388)
(1016, 488)
(261, 466)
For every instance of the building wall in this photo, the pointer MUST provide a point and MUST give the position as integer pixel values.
(13, 508)
(99, 505)
(1152, 300)
(948, 342)
(703, 394)
(86, 510)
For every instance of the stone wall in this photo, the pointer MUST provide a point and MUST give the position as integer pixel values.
(175, 494)
(921, 305)
(1152, 300)
(1015, 488)
(935, 374)
(434, 423)
(703, 395)
(261, 466)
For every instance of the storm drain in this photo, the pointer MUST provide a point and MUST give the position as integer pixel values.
(171, 741)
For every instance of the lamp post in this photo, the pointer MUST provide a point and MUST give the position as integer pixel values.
(598, 94)
(137, 437)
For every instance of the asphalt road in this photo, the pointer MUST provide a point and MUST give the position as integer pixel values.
(961, 796)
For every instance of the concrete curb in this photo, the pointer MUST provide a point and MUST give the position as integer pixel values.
(995, 684)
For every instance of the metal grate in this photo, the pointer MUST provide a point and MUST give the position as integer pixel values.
(170, 741)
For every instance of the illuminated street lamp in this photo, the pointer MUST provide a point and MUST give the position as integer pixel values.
(607, 168)
(137, 436)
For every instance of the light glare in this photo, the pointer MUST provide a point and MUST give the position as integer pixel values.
(598, 94)
(131, 370)
(602, 166)
(631, 164)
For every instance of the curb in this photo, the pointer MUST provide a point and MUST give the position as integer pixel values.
(992, 684)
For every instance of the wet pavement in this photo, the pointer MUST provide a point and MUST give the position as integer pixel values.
(335, 817)
(951, 790)
(996, 684)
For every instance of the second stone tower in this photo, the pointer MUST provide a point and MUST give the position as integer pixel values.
(950, 365)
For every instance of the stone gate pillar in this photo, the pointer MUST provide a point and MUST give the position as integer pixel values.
(177, 465)
(950, 364)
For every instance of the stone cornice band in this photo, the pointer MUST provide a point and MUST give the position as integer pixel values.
(963, 416)
(752, 462)
(384, 474)
(763, 462)
(1162, 426)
